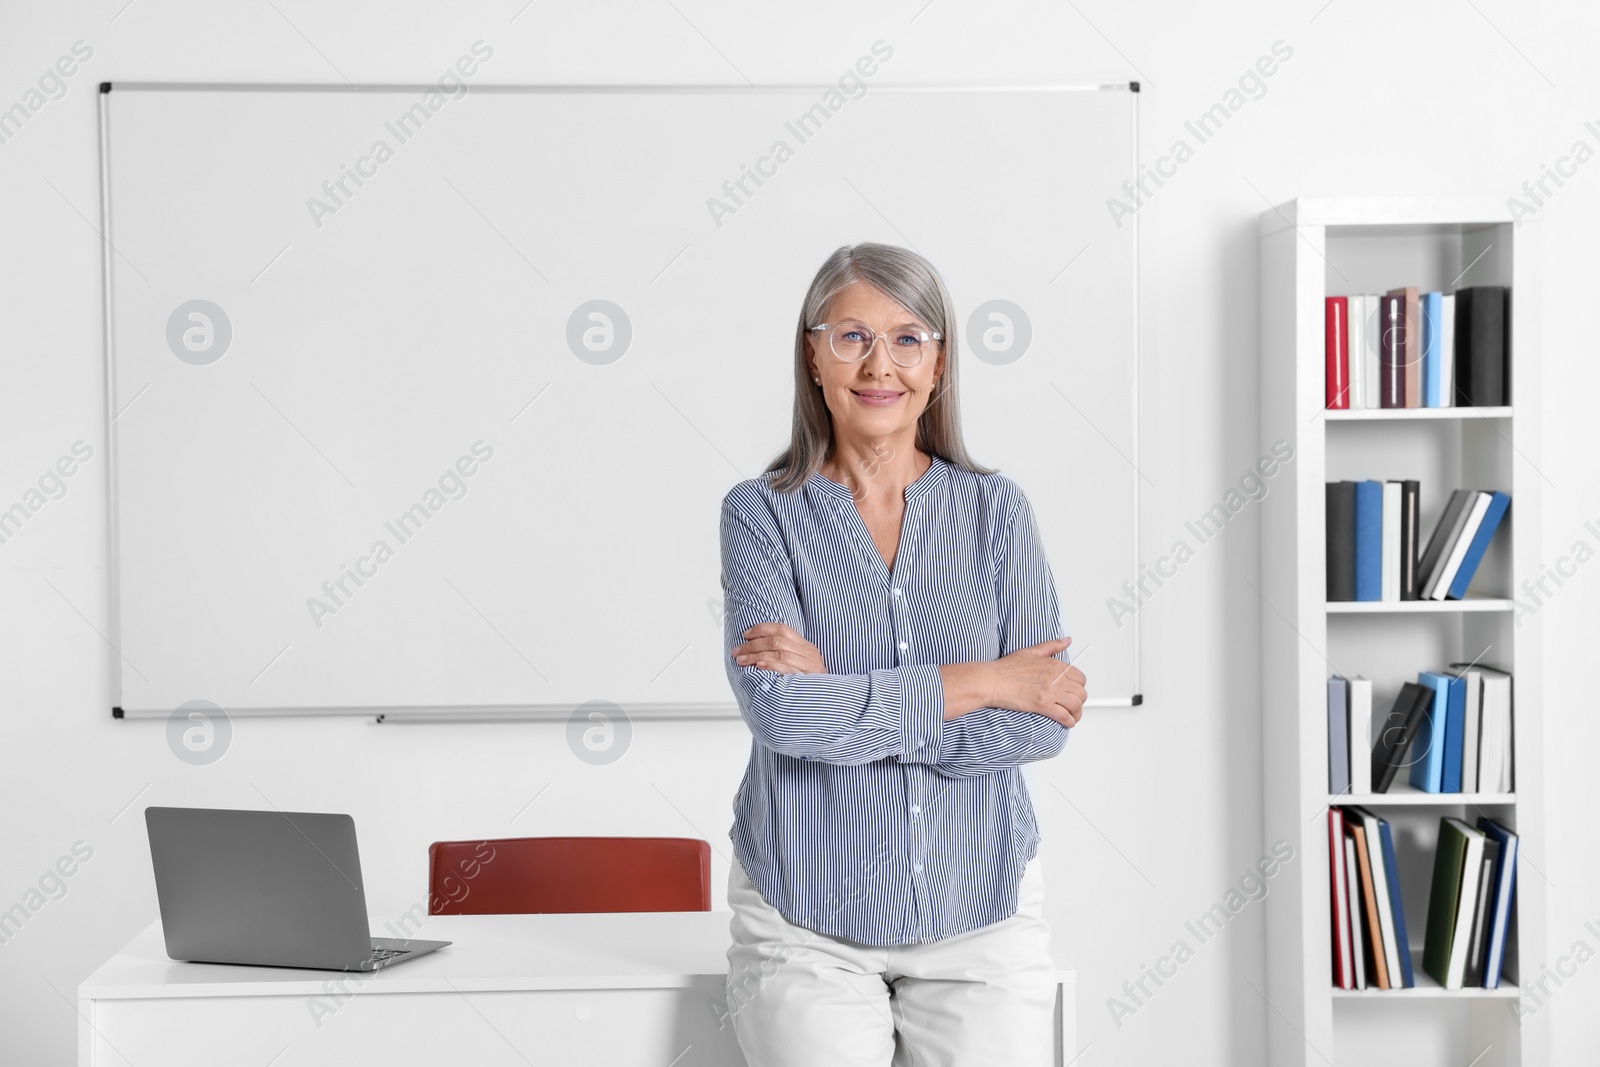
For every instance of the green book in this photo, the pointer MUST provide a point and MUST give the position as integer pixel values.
(1452, 902)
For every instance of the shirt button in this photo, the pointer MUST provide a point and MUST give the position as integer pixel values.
(902, 646)
(916, 868)
(916, 809)
(897, 592)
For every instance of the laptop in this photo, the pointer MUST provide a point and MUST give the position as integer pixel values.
(269, 888)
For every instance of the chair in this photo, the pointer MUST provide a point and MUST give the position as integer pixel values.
(522, 875)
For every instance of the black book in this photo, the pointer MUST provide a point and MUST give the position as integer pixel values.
(1341, 507)
(1410, 505)
(1481, 346)
(1399, 728)
(1443, 537)
(1478, 947)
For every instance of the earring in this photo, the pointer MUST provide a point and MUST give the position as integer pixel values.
(817, 380)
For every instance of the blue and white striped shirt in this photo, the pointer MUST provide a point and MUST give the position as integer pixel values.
(863, 814)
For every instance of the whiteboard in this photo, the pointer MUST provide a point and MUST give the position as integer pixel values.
(372, 449)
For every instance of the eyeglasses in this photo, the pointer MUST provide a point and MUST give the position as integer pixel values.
(851, 341)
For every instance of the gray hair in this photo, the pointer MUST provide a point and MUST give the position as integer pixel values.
(910, 281)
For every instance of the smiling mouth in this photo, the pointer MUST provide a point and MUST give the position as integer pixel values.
(877, 395)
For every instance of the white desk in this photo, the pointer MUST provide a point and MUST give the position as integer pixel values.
(516, 990)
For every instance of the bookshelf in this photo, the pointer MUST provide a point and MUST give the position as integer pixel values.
(1310, 249)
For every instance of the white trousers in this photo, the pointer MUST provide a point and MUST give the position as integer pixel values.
(803, 999)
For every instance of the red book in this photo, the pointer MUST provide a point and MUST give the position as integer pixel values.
(1338, 352)
(1344, 972)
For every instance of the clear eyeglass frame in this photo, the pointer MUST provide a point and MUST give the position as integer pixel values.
(925, 336)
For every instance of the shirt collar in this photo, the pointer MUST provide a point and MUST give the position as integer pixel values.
(930, 480)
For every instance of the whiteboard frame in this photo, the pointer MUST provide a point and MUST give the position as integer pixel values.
(536, 712)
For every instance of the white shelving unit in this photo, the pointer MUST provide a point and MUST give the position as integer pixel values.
(1311, 249)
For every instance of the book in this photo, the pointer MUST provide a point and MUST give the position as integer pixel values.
(1341, 518)
(1344, 974)
(1505, 877)
(1454, 731)
(1406, 720)
(1396, 904)
(1359, 952)
(1411, 346)
(1360, 735)
(1473, 975)
(1463, 541)
(1495, 749)
(1356, 331)
(1431, 305)
(1338, 736)
(1471, 732)
(1372, 351)
(1498, 502)
(1392, 947)
(1410, 506)
(1427, 762)
(1380, 970)
(1447, 350)
(1444, 535)
(1391, 540)
(1481, 349)
(1457, 869)
(1336, 335)
(1369, 540)
(1392, 350)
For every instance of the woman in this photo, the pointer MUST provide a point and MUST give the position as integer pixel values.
(894, 639)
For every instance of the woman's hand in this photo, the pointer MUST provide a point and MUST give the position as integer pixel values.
(776, 647)
(1031, 679)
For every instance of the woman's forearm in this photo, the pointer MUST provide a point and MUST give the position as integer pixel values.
(968, 687)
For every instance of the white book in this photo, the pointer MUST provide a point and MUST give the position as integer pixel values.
(1391, 541)
(1360, 735)
(1370, 350)
(1471, 727)
(1466, 906)
(1447, 351)
(1489, 745)
(1495, 775)
(1380, 893)
(1356, 330)
(1358, 940)
(1458, 551)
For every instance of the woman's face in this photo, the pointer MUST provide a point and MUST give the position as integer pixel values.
(850, 389)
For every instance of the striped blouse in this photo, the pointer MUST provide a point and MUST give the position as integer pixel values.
(863, 814)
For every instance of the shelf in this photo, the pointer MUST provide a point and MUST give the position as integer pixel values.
(1405, 795)
(1427, 989)
(1308, 250)
(1398, 414)
(1420, 607)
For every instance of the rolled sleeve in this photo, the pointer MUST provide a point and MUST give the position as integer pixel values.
(922, 719)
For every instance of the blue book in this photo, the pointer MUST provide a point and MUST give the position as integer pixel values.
(1455, 724)
(1402, 942)
(1369, 540)
(1427, 766)
(1500, 894)
(1432, 307)
(1498, 502)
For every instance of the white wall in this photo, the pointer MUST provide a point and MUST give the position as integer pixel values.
(1152, 814)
